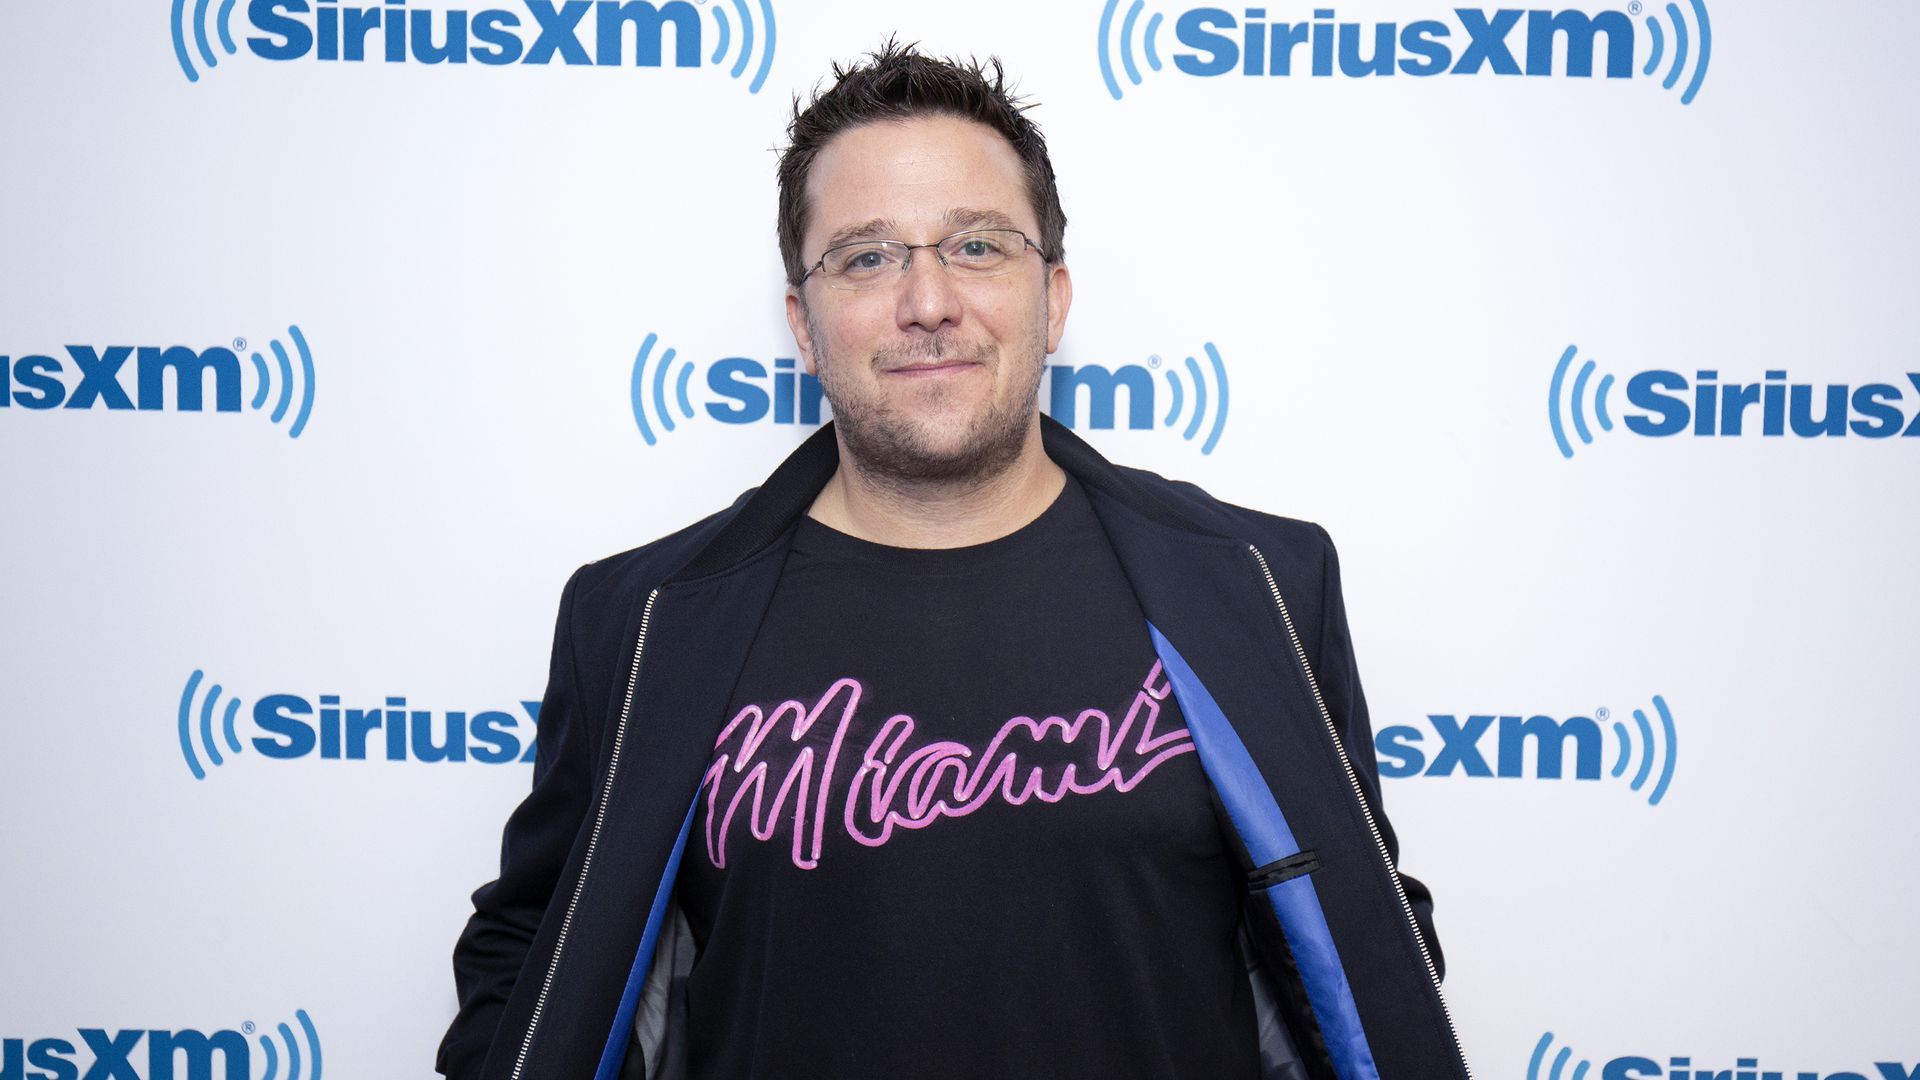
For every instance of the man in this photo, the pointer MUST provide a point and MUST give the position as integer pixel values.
(953, 750)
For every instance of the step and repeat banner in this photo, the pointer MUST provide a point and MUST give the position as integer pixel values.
(334, 335)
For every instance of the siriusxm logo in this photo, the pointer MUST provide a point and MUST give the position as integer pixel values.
(1671, 404)
(1191, 406)
(40, 382)
(291, 727)
(1211, 41)
(619, 33)
(737, 385)
(742, 390)
(188, 1053)
(1634, 1067)
(1403, 753)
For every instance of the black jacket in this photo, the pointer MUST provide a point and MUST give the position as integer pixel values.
(570, 944)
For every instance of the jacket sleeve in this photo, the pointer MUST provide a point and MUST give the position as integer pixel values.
(1340, 686)
(492, 949)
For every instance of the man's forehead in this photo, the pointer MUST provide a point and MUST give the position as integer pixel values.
(882, 178)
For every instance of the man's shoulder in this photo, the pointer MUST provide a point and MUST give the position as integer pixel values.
(1298, 555)
(1276, 535)
(628, 576)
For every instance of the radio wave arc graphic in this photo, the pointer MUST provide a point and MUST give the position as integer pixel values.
(724, 37)
(638, 385)
(295, 1059)
(1558, 1069)
(1696, 45)
(1665, 750)
(1573, 405)
(1200, 398)
(209, 745)
(289, 387)
(1110, 45)
(221, 20)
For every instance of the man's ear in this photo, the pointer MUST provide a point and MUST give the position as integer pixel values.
(802, 333)
(1059, 299)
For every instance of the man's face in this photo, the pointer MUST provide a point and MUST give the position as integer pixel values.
(931, 376)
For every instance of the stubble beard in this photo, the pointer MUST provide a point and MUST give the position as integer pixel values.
(891, 449)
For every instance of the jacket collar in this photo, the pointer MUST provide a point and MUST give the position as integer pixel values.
(783, 499)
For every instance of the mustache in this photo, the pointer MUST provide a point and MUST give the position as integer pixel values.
(941, 346)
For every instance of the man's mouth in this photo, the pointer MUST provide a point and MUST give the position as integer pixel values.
(942, 356)
(932, 368)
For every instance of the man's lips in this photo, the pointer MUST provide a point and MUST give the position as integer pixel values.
(943, 367)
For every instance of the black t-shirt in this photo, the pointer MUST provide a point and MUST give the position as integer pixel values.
(955, 827)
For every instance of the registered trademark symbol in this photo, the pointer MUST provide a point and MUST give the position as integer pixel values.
(1634, 8)
(1153, 361)
(239, 343)
(247, 1028)
(1602, 712)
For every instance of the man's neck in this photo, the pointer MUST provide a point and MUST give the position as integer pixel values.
(940, 514)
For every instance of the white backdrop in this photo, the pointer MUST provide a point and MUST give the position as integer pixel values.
(1389, 269)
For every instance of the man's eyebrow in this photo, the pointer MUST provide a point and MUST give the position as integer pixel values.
(966, 217)
(959, 219)
(875, 229)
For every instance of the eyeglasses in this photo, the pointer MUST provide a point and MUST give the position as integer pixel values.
(870, 264)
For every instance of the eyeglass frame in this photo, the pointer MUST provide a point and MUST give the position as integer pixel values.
(907, 264)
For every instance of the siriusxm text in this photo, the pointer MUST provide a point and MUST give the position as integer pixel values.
(538, 32)
(737, 381)
(1403, 750)
(1746, 1068)
(1100, 386)
(1476, 40)
(89, 378)
(1673, 405)
(295, 729)
(116, 1055)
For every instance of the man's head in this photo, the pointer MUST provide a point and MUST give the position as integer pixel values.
(933, 372)
(898, 83)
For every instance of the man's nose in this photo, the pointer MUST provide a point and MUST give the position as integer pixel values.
(927, 297)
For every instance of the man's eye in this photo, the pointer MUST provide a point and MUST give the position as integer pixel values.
(866, 261)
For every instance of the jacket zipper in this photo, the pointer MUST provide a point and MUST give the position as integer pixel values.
(1353, 781)
(593, 840)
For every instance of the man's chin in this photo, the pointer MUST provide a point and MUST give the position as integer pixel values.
(934, 453)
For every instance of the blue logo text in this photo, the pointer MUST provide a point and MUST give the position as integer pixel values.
(596, 33)
(89, 377)
(1215, 41)
(1535, 747)
(1563, 1066)
(1669, 403)
(291, 726)
(116, 1054)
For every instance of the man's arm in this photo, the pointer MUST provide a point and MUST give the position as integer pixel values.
(1340, 685)
(492, 949)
